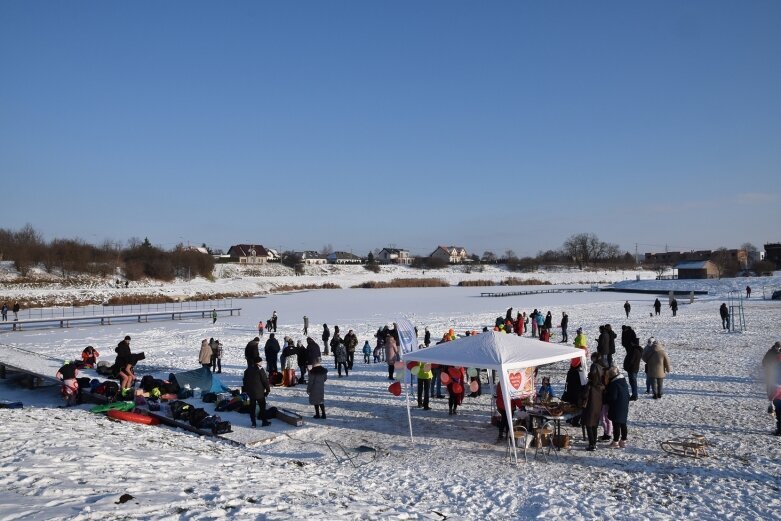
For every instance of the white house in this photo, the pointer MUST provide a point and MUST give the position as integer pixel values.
(248, 254)
(394, 256)
(451, 254)
(343, 257)
(310, 257)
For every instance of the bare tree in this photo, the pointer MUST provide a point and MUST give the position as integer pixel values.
(510, 254)
(326, 250)
(725, 263)
(489, 256)
(660, 270)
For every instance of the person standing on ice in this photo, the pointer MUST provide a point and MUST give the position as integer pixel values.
(16, 309)
(214, 316)
(657, 307)
(674, 306)
(261, 326)
(533, 317)
(315, 388)
(427, 337)
(271, 350)
(391, 352)
(657, 367)
(252, 351)
(306, 325)
(4, 311)
(325, 337)
(205, 355)
(748, 291)
(255, 384)
(724, 313)
(594, 397)
(273, 321)
(564, 324)
(771, 363)
(627, 308)
(617, 401)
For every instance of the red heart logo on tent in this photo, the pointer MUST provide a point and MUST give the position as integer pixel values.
(395, 388)
(515, 379)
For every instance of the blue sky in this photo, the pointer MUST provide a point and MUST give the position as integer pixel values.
(501, 125)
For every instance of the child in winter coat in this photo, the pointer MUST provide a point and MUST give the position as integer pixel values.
(367, 351)
(546, 391)
(315, 388)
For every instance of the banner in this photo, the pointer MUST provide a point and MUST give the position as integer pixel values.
(521, 382)
(408, 339)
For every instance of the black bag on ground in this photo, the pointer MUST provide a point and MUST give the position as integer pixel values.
(180, 410)
(221, 427)
(84, 382)
(197, 416)
(169, 388)
(271, 413)
(110, 390)
(104, 368)
(209, 398)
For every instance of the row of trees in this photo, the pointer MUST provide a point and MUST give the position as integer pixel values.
(68, 257)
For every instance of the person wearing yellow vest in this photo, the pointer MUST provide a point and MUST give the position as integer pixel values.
(580, 343)
(425, 374)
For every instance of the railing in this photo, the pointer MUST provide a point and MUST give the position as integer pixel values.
(100, 309)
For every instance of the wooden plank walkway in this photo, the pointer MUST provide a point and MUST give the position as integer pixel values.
(64, 321)
(534, 292)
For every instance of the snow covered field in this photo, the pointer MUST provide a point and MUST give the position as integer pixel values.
(71, 464)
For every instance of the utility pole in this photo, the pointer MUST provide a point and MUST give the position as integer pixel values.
(637, 259)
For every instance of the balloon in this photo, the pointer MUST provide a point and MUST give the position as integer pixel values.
(415, 371)
(454, 373)
(399, 365)
(395, 388)
(474, 386)
(410, 365)
(399, 376)
(472, 372)
(458, 388)
(444, 378)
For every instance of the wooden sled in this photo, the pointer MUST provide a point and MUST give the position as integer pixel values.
(694, 446)
(290, 417)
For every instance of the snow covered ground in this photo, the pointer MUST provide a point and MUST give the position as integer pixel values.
(70, 464)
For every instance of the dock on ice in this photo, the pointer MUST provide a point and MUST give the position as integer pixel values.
(69, 316)
(536, 292)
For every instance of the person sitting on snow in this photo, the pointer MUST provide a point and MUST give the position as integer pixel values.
(90, 356)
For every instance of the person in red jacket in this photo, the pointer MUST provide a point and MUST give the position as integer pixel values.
(455, 389)
(504, 426)
(90, 356)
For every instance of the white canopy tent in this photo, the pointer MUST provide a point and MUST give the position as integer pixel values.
(495, 351)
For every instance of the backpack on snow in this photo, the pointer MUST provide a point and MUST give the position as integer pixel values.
(197, 416)
(180, 410)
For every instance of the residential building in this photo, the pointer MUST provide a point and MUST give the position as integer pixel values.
(343, 257)
(394, 256)
(310, 257)
(697, 270)
(248, 254)
(451, 254)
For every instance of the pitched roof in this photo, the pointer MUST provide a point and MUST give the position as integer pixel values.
(245, 250)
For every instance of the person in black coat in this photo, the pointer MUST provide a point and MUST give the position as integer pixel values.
(251, 352)
(724, 313)
(548, 324)
(325, 337)
(628, 337)
(313, 354)
(271, 350)
(674, 306)
(634, 355)
(564, 325)
(335, 341)
(657, 306)
(255, 384)
(603, 343)
(302, 360)
(617, 400)
(627, 308)
(124, 357)
(427, 338)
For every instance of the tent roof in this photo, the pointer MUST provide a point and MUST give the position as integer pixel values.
(493, 350)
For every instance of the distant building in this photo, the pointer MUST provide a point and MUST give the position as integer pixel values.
(394, 256)
(697, 270)
(199, 249)
(310, 257)
(669, 258)
(343, 257)
(451, 254)
(248, 254)
(773, 253)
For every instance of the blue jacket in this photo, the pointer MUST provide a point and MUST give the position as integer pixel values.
(367, 349)
(617, 399)
(546, 389)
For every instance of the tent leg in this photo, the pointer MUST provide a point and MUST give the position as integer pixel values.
(409, 414)
(508, 411)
